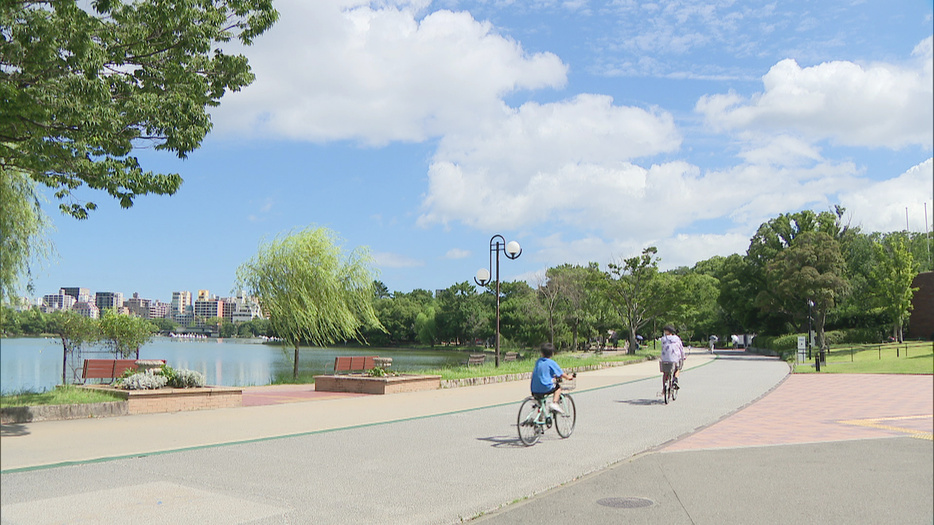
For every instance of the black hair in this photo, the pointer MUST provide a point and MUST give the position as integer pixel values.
(670, 329)
(548, 349)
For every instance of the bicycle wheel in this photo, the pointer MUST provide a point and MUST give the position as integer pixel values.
(674, 391)
(665, 388)
(529, 429)
(564, 423)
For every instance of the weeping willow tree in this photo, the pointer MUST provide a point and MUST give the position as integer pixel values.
(311, 291)
(23, 232)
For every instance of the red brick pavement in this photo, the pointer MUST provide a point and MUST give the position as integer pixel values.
(274, 394)
(810, 408)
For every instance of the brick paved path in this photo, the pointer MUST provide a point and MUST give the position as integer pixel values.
(812, 408)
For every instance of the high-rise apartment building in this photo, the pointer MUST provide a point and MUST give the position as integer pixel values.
(208, 308)
(57, 301)
(108, 300)
(138, 306)
(80, 294)
(181, 303)
(87, 309)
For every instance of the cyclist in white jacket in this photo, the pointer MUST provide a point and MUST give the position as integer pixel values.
(672, 354)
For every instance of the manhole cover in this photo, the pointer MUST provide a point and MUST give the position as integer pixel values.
(625, 503)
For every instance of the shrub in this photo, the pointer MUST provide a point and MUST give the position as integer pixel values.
(148, 380)
(184, 378)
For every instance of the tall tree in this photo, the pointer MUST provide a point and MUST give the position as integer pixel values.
(23, 227)
(125, 334)
(633, 291)
(812, 268)
(893, 273)
(75, 331)
(83, 85)
(310, 290)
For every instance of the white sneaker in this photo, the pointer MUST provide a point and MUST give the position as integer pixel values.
(555, 408)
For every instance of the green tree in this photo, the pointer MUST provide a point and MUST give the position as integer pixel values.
(82, 87)
(462, 315)
(125, 334)
(426, 329)
(75, 331)
(23, 228)
(310, 290)
(634, 292)
(892, 275)
(812, 268)
(522, 323)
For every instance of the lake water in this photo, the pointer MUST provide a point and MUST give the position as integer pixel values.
(36, 363)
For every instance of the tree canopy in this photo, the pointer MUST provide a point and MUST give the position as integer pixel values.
(311, 291)
(82, 87)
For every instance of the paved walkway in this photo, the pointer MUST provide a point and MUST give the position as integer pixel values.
(452, 455)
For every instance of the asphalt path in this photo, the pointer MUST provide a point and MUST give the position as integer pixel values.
(438, 468)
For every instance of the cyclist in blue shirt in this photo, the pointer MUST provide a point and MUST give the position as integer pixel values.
(543, 377)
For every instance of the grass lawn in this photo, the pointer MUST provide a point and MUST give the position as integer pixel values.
(567, 360)
(905, 358)
(67, 395)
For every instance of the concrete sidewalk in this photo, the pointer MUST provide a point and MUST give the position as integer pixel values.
(31, 445)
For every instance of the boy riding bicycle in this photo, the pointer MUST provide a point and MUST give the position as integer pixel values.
(543, 377)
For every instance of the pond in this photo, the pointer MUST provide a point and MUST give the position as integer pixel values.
(36, 363)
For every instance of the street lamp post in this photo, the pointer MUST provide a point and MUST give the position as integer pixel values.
(512, 251)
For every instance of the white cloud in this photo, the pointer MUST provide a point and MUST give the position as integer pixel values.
(877, 105)
(881, 206)
(395, 260)
(333, 71)
(457, 253)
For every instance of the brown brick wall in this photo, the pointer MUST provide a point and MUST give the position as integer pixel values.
(921, 322)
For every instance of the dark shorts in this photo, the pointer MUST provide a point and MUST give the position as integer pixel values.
(543, 394)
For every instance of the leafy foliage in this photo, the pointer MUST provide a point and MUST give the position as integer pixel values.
(81, 87)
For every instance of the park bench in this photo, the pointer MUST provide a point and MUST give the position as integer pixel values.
(475, 359)
(350, 364)
(510, 356)
(107, 368)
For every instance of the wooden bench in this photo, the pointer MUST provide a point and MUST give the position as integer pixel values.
(349, 364)
(510, 356)
(475, 359)
(107, 368)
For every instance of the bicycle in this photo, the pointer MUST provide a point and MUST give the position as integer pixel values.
(668, 382)
(534, 419)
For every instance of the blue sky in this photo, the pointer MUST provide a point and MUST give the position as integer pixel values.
(584, 130)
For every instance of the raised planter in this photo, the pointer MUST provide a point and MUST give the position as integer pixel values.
(176, 399)
(361, 384)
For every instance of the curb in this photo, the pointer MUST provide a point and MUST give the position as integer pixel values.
(31, 414)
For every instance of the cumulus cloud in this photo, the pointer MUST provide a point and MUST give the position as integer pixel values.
(457, 253)
(331, 70)
(875, 105)
(395, 260)
(568, 159)
(881, 206)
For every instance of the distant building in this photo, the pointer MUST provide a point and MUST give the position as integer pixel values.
(57, 301)
(921, 322)
(181, 303)
(208, 308)
(159, 310)
(138, 306)
(109, 300)
(241, 308)
(203, 295)
(80, 294)
(87, 309)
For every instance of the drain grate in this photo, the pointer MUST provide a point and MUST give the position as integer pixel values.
(625, 503)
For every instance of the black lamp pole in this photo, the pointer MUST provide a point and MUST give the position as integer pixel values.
(512, 250)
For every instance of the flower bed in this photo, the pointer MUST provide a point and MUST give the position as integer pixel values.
(176, 399)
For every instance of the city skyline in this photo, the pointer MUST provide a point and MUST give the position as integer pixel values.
(586, 131)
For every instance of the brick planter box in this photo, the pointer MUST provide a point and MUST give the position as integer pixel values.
(177, 399)
(361, 384)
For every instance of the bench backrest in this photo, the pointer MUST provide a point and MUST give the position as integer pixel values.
(511, 356)
(108, 368)
(354, 363)
(476, 359)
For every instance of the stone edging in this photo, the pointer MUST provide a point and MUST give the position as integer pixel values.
(31, 414)
(489, 380)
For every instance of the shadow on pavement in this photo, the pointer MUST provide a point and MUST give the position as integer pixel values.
(503, 441)
(642, 402)
(13, 430)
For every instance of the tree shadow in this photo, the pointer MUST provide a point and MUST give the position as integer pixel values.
(14, 430)
(642, 402)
